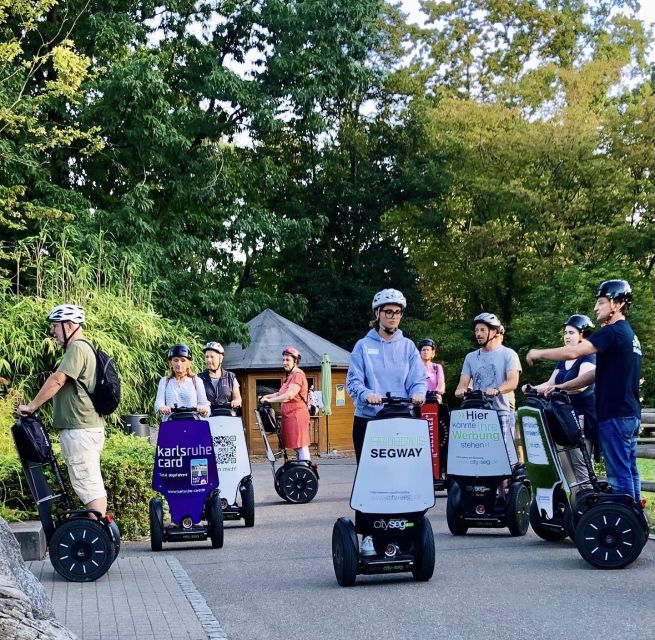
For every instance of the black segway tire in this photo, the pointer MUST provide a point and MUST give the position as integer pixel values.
(215, 529)
(550, 534)
(156, 511)
(569, 525)
(115, 533)
(81, 550)
(276, 482)
(609, 536)
(248, 503)
(455, 526)
(518, 509)
(299, 484)
(424, 551)
(344, 552)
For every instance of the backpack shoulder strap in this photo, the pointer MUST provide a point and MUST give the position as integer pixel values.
(95, 353)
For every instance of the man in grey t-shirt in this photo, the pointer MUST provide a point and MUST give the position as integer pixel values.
(493, 369)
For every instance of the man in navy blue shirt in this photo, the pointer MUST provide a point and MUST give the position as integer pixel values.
(617, 373)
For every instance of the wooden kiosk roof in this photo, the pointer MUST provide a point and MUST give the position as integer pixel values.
(270, 333)
(262, 360)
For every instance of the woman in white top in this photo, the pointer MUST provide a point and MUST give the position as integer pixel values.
(181, 388)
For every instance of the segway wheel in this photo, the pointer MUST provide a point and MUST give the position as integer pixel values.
(299, 484)
(276, 482)
(344, 552)
(569, 525)
(455, 525)
(81, 550)
(156, 511)
(518, 509)
(550, 534)
(116, 537)
(424, 551)
(248, 503)
(609, 536)
(215, 527)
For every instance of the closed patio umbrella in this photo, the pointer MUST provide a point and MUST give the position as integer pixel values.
(326, 392)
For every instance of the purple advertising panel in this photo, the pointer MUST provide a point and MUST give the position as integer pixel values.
(185, 468)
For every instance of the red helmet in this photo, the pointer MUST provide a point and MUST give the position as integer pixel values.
(293, 352)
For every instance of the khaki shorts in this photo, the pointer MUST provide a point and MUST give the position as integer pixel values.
(81, 449)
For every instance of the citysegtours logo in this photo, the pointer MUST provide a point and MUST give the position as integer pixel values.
(400, 525)
(398, 446)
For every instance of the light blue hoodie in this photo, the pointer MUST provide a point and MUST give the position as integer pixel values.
(381, 366)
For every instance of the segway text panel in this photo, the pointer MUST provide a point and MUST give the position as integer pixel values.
(475, 444)
(394, 474)
(182, 470)
(231, 454)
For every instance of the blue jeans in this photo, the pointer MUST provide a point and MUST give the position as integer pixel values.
(618, 443)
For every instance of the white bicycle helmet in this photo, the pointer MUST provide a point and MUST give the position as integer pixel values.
(489, 319)
(67, 313)
(388, 296)
(214, 346)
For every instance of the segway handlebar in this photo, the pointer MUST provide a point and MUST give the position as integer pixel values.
(180, 413)
(392, 400)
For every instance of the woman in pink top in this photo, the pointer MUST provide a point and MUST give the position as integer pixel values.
(434, 371)
(292, 397)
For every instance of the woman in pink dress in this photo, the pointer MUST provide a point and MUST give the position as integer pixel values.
(434, 372)
(292, 397)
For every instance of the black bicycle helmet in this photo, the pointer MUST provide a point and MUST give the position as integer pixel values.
(180, 351)
(580, 322)
(618, 290)
(489, 319)
(427, 342)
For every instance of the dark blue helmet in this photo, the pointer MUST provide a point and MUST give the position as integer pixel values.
(582, 323)
(180, 351)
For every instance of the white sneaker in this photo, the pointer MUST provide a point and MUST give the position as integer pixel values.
(367, 548)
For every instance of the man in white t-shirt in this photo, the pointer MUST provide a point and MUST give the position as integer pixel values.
(493, 369)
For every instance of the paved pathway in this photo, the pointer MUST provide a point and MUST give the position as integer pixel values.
(276, 581)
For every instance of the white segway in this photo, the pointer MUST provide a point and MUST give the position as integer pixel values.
(393, 489)
(233, 464)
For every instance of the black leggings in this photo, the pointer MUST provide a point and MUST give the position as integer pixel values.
(359, 431)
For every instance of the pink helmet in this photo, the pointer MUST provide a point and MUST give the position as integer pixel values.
(293, 352)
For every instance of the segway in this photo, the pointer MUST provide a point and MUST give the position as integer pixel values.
(82, 543)
(233, 465)
(609, 529)
(479, 464)
(393, 489)
(185, 474)
(438, 417)
(296, 481)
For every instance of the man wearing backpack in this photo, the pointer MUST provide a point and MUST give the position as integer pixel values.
(617, 375)
(81, 427)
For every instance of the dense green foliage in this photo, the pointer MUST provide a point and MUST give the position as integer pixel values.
(179, 166)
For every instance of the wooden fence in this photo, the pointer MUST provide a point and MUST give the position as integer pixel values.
(646, 443)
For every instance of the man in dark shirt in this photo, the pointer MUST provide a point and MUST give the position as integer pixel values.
(617, 373)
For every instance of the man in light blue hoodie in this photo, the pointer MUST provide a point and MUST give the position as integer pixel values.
(382, 361)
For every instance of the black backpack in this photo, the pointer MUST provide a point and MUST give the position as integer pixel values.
(107, 393)
(31, 439)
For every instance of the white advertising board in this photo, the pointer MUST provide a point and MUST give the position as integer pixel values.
(534, 444)
(232, 459)
(394, 474)
(475, 444)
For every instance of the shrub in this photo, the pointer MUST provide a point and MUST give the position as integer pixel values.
(127, 470)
